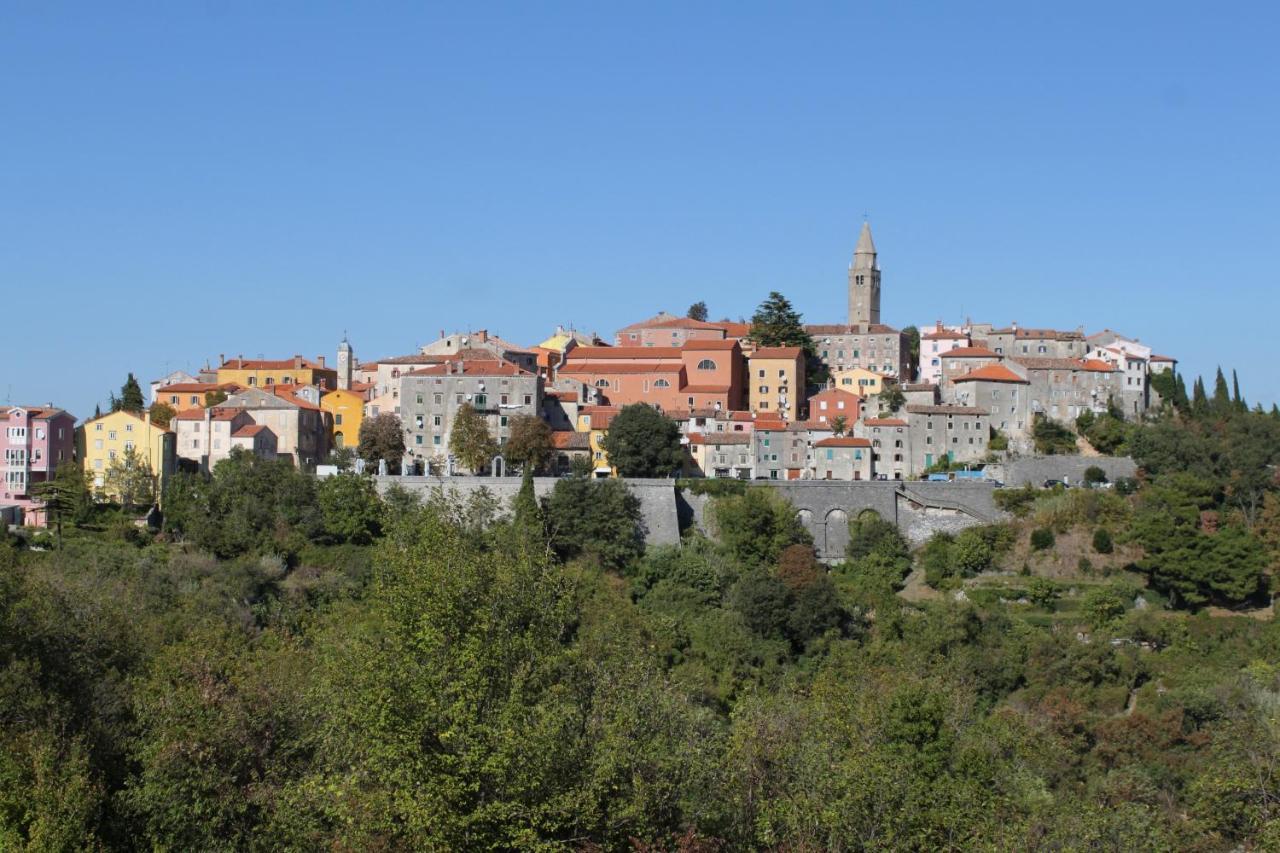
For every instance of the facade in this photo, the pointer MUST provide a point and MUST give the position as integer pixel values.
(876, 347)
(261, 373)
(207, 436)
(36, 439)
(106, 439)
(962, 360)
(346, 410)
(346, 365)
(700, 374)
(890, 446)
(781, 451)
(722, 454)
(294, 416)
(832, 403)
(430, 398)
(594, 421)
(1015, 342)
(177, 377)
(934, 344)
(776, 381)
(956, 433)
(1062, 388)
(864, 281)
(1003, 391)
(843, 457)
(570, 445)
(191, 395)
(860, 381)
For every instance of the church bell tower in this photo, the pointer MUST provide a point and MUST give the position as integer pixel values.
(864, 281)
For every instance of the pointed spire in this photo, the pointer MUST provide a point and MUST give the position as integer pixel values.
(866, 246)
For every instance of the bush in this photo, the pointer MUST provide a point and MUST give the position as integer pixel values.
(1084, 566)
(1102, 541)
(1043, 593)
(1052, 438)
(1015, 501)
(1103, 604)
(1094, 474)
(1041, 539)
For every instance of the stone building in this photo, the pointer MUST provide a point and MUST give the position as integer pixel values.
(843, 457)
(1015, 342)
(1062, 388)
(864, 282)
(1003, 391)
(878, 348)
(431, 396)
(722, 454)
(293, 414)
(958, 433)
(890, 446)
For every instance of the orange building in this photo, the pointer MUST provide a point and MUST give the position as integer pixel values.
(259, 373)
(192, 395)
(668, 330)
(698, 375)
(777, 381)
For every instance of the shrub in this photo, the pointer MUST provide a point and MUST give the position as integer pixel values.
(1102, 541)
(1094, 474)
(1015, 501)
(1084, 566)
(1041, 539)
(1052, 438)
(1126, 486)
(1103, 604)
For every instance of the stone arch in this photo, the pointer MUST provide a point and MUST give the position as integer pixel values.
(837, 533)
(805, 517)
(498, 467)
(869, 514)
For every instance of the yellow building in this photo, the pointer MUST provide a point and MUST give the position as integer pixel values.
(107, 439)
(347, 408)
(595, 421)
(775, 381)
(259, 373)
(860, 381)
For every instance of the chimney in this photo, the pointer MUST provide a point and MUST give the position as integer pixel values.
(297, 362)
(240, 358)
(222, 359)
(442, 334)
(320, 360)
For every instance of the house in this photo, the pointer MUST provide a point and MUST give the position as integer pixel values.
(177, 377)
(207, 436)
(109, 438)
(346, 409)
(1062, 388)
(36, 440)
(875, 347)
(843, 457)
(781, 452)
(860, 381)
(961, 360)
(594, 421)
(776, 381)
(721, 454)
(1015, 342)
(193, 395)
(890, 446)
(294, 416)
(832, 403)
(260, 373)
(700, 374)
(570, 446)
(956, 433)
(1004, 391)
(934, 344)
(430, 398)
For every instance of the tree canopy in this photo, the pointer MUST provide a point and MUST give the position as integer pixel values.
(643, 442)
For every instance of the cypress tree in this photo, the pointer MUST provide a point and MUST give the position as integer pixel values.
(1241, 405)
(1199, 402)
(1180, 401)
(1221, 395)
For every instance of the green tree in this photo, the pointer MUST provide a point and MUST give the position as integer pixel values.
(66, 497)
(697, 311)
(1051, 438)
(1221, 404)
(891, 397)
(871, 534)
(596, 518)
(214, 398)
(130, 399)
(643, 442)
(130, 480)
(381, 438)
(912, 334)
(162, 414)
(349, 508)
(470, 439)
(756, 526)
(529, 445)
(839, 425)
(777, 324)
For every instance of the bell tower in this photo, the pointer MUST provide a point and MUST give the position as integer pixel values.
(864, 281)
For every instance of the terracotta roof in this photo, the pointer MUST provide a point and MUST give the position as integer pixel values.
(969, 352)
(946, 410)
(414, 358)
(601, 416)
(569, 440)
(992, 373)
(719, 438)
(843, 441)
(837, 394)
(295, 363)
(248, 430)
(1040, 334)
(704, 389)
(895, 422)
(134, 415)
(778, 352)
(1155, 357)
(569, 396)
(198, 387)
(919, 386)
(620, 353)
(471, 367)
(218, 413)
(594, 367)
(944, 335)
(1064, 364)
(704, 346)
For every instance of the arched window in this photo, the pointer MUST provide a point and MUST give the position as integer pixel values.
(706, 364)
(661, 383)
(602, 383)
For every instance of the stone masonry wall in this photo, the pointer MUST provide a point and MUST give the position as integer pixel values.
(1036, 469)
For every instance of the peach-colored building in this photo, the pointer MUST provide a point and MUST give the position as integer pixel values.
(192, 395)
(668, 330)
(961, 360)
(701, 374)
(832, 403)
(776, 381)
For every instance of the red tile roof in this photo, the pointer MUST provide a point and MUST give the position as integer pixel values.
(198, 387)
(969, 352)
(1163, 358)
(841, 329)
(946, 410)
(894, 422)
(843, 441)
(778, 352)
(248, 430)
(719, 438)
(569, 440)
(992, 373)
(295, 363)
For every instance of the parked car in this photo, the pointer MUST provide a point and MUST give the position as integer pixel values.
(1053, 484)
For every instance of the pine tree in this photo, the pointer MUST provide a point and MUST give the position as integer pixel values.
(1221, 404)
(697, 311)
(777, 324)
(1240, 404)
(1199, 401)
(526, 514)
(130, 399)
(1180, 401)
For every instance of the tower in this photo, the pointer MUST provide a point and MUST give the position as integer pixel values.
(346, 363)
(864, 281)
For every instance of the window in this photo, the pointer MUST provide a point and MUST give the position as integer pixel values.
(435, 439)
(528, 399)
(417, 439)
(337, 419)
(97, 463)
(128, 445)
(97, 427)
(502, 421)
(435, 420)
(97, 444)
(173, 398)
(602, 383)
(661, 383)
(111, 434)
(128, 427)
(706, 364)
(419, 399)
(502, 400)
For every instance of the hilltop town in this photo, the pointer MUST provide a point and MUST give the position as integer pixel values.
(769, 400)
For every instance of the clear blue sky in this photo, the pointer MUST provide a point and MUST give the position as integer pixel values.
(183, 180)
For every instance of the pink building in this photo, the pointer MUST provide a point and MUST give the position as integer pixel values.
(35, 440)
(934, 344)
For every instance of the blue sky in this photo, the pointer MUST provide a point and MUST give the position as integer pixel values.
(183, 180)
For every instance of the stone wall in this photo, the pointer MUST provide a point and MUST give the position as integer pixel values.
(657, 497)
(1035, 470)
